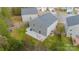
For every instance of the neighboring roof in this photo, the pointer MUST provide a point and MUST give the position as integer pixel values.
(29, 10)
(73, 20)
(69, 7)
(46, 19)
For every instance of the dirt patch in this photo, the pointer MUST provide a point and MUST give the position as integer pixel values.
(16, 19)
(15, 34)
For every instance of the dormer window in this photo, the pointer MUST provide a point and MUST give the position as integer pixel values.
(30, 29)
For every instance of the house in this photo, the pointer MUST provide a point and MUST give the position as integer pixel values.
(69, 11)
(72, 28)
(44, 10)
(41, 10)
(43, 25)
(29, 13)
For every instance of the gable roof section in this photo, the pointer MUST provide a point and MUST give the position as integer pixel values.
(45, 20)
(29, 10)
(72, 20)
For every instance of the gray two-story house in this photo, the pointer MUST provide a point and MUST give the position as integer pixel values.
(44, 24)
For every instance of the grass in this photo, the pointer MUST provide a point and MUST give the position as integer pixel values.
(6, 12)
(60, 28)
(59, 42)
(16, 19)
(30, 42)
(59, 11)
(3, 27)
(19, 33)
(51, 42)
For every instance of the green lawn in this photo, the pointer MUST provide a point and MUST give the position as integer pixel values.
(6, 12)
(3, 27)
(19, 33)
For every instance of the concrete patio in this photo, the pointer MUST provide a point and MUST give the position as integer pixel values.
(35, 35)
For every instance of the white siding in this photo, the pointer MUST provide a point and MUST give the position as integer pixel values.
(27, 18)
(51, 28)
(70, 10)
(74, 31)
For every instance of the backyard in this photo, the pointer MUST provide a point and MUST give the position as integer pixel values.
(13, 32)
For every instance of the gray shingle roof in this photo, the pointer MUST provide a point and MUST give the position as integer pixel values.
(73, 20)
(29, 10)
(46, 19)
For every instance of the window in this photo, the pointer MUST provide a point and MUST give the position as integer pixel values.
(52, 10)
(30, 29)
(39, 32)
(69, 12)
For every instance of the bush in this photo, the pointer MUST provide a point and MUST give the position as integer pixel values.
(6, 12)
(16, 11)
(15, 45)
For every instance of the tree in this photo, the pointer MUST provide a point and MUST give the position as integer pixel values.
(10, 44)
(6, 12)
(16, 11)
(3, 27)
(4, 45)
(60, 27)
(15, 45)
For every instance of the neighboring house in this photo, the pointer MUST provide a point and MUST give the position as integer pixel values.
(44, 25)
(29, 13)
(41, 10)
(69, 11)
(45, 10)
(72, 27)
